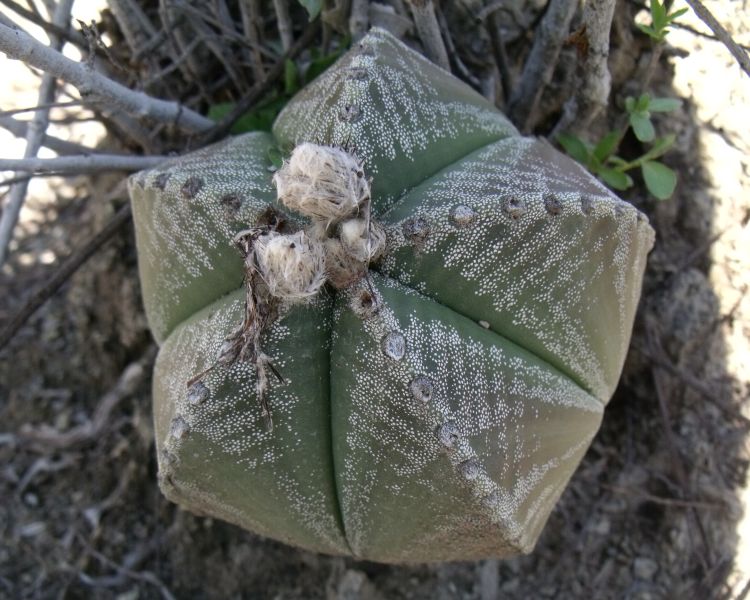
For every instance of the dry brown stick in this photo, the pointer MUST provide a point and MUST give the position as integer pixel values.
(35, 133)
(591, 94)
(261, 88)
(250, 17)
(358, 19)
(136, 27)
(95, 87)
(70, 266)
(699, 386)
(494, 27)
(131, 378)
(284, 23)
(92, 163)
(677, 463)
(62, 147)
(38, 107)
(724, 36)
(462, 69)
(662, 500)
(537, 72)
(72, 36)
(428, 29)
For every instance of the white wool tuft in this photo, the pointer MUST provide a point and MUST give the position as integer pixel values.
(293, 266)
(361, 244)
(322, 182)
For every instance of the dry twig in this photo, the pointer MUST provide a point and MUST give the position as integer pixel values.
(96, 88)
(592, 89)
(64, 273)
(92, 163)
(284, 23)
(34, 135)
(720, 32)
(428, 29)
(20, 129)
(132, 377)
(537, 72)
(260, 88)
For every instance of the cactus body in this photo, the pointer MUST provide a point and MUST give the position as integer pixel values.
(441, 422)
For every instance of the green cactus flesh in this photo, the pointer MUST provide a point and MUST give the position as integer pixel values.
(443, 423)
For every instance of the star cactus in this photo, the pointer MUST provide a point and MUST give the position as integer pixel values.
(433, 405)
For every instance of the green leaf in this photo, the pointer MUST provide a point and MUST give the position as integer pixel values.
(260, 118)
(574, 147)
(648, 30)
(642, 126)
(630, 104)
(606, 146)
(658, 12)
(660, 147)
(664, 104)
(275, 156)
(216, 112)
(642, 104)
(617, 162)
(291, 78)
(660, 179)
(312, 7)
(676, 14)
(321, 63)
(616, 179)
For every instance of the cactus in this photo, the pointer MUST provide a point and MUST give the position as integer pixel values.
(435, 409)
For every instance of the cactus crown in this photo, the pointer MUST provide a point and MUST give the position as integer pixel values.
(437, 400)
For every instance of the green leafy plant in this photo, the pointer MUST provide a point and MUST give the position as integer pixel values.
(435, 401)
(601, 160)
(661, 20)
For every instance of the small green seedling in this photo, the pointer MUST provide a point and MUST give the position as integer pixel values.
(661, 20)
(601, 160)
(639, 114)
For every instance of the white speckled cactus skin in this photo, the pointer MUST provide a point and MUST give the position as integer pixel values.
(446, 424)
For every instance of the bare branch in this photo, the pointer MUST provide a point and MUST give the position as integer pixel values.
(63, 33)
(34, 135)
(20, 129)
(38, 107)
(95, 87)
(592, 89)
(81, 163)
(429, 32)
(724, 36)
(495, 29)
(250, 16)
(70, 266)
(537, 72)
(358, 19)
(136, 27)
(128, 383)
(261, 87)
(284, 22)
